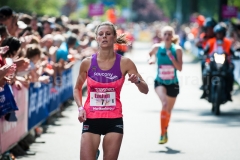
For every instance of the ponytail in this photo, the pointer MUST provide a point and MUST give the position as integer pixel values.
(122, 39)
(175, 39)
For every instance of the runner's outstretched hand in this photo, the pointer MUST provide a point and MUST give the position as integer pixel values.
(133, 78)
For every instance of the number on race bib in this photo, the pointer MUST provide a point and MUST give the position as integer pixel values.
(102, 99)
(166, 72)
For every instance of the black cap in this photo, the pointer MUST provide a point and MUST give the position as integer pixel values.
(6, 11)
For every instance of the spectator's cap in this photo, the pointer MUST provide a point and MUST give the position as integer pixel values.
(5, 12)
(21, 25)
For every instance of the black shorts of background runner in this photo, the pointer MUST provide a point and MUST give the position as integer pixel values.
(103, 126)
(172, 89)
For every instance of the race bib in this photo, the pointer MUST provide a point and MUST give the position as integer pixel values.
(102, 99)
(166, 72)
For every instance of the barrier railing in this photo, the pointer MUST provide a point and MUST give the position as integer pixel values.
(35, 105)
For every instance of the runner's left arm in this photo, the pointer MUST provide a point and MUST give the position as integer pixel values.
(177, 62)
(134, 76)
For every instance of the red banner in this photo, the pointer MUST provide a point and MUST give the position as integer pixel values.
(12, 132)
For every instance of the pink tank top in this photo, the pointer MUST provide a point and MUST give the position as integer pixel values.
(103, 99)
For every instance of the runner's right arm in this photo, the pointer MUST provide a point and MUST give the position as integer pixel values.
(152, 54)
(78, 87)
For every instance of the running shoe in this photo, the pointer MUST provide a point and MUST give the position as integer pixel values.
(163, 139)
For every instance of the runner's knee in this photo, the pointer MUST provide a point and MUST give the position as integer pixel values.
(164, 105)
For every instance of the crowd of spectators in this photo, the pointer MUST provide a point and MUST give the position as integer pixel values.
(38, 49)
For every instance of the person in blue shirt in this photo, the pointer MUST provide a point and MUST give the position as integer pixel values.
(63, 50)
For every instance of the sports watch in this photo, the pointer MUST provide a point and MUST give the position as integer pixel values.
(139, 80)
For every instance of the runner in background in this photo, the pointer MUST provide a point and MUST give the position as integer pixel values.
(157, 37)
(105, 72)
(169, 60)
(198, 26)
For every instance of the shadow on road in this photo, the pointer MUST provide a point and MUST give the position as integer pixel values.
(228, 118)
(168, 151)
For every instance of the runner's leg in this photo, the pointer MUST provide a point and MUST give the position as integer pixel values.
(89, 146)
(170, 104)
(162, 94)
(111, 145)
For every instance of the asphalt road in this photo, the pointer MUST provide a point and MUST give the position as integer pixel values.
(194, 132)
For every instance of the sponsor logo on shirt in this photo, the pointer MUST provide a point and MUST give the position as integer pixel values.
(106, 75)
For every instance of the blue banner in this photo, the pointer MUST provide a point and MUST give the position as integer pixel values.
(43, 102)
(67, 86)
(38, 104)
(7, 102)
(54, 100)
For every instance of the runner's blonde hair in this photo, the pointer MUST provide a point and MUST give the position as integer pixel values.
(121, 39)
(175, 38)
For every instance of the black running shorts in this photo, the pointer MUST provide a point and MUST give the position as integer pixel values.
(103, 126)
(172, 89)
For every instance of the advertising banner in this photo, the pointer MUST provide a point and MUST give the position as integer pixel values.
(12, 132)
(229, 11)
(42, 102)
(38, 102)
(96, 9)
(67, 86)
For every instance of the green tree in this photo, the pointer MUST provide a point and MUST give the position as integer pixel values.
(167, 6)
(234, 3)
(40, 7)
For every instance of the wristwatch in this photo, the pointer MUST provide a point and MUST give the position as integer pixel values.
(139, 80)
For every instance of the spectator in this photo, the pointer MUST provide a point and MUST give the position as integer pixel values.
(47, 27)
(3, 33)
(63, 51)
(37, 27)
(14, 45)
(6, 15)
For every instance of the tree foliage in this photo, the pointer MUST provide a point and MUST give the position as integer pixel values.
(234, 3)
(40, 7)
(167, 6)
(146, 10)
